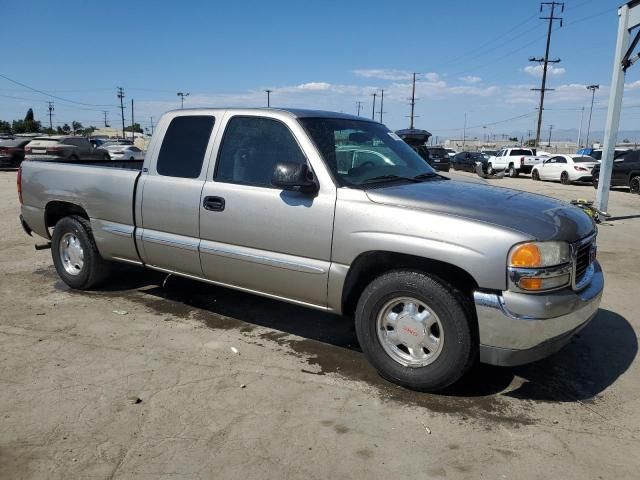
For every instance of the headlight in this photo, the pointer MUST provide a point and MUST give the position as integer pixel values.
(539, 266)
(539, 254)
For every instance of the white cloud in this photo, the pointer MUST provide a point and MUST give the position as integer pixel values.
(536, 71)
(314, 86)
(470, 79)
(383, 74)
(633, 85)
(432, 76)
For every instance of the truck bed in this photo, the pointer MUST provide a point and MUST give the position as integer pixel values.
(104, 190)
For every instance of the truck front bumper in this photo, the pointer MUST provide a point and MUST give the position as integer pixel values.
(518, 328)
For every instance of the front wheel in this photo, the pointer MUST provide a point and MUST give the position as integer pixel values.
(490, 170)
(564, 178)
(415, 330)
(535, 175)
(75, 254)
(634, 184)
(595, 181)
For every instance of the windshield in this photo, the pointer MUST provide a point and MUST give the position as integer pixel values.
(361, 153)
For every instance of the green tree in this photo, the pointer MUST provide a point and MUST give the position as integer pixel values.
(30, 125)
(136, 128)
(5, 127)
(66, 129)
(76, 127)
(513, 139)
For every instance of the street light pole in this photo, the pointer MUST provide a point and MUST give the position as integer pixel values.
(373, 108)
(593, 89)
(182, 95)
(268, 97)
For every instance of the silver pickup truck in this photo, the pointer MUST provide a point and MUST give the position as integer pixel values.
(436, 273)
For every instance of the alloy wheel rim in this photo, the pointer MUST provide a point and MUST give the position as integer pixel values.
(71, 254)
(410, 332)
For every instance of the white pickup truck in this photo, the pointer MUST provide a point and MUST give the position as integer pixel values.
(514, 160)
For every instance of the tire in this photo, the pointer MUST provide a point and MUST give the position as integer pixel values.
(132, 159)
(535, 176)
(81, 268)
(595, 181)
(634, 184)
(513, 173)
(564, 178)
(106, 157)
(455, 347)
(73, 158)
(490, 170)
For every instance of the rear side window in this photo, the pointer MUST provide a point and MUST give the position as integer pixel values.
(517, 153)
(184, 145)
(251, 148)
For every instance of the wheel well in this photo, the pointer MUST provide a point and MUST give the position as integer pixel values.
(633, 174)
(54, 211)
(367, 266)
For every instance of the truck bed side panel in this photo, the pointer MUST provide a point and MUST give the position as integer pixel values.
(106, 194)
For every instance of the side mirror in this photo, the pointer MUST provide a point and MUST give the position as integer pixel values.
(295, 177)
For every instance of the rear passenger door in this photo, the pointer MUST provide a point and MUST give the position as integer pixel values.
(171, 190)
(258, 237)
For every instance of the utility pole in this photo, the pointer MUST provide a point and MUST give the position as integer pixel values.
(381, 103)
(121, 96)
(51, 109)
(268, 97)
(580, 128)
(545, 61)
(373, 108)
(133, 137)
(182, 95)
(413, 100)
(151, 118)
(464, 131)
(106, 122)
(550, 130)
(593, 89)
(358, 106)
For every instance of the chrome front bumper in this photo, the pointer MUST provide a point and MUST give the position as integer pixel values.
(517, 328)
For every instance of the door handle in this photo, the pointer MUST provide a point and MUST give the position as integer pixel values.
(215, 204)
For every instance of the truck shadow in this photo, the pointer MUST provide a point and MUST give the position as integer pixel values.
(589, 364)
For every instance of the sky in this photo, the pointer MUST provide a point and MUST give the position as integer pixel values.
(471, 58)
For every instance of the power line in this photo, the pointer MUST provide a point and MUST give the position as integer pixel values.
(50, 95)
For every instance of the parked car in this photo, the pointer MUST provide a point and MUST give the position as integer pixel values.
(12, 152)
(597, 152)
(438, 158)
(625, 171)
(62, 147)
(436, 273)
(565, 169)
(514, 160)
(124, 152)
(451, 152)
(467, 161)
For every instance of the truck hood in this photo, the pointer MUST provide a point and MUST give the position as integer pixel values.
(539, 217)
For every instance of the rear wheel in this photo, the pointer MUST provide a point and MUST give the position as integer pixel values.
(634, 184)
(75, 254)
(595, 181)
(564, 178)
(106, 157)
(415, 330)
(513, 173)
(535, 175)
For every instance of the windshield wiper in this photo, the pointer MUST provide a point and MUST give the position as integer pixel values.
(426, 175)
(383, 178)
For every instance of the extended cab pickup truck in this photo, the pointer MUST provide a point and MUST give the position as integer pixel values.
(434, 273)
(515, 161)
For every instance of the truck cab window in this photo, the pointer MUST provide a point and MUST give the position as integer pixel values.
(184, 145)
(251, 148)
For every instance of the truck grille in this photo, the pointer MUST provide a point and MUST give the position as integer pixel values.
(583, 258)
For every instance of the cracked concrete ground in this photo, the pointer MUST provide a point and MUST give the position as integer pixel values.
(157, 392)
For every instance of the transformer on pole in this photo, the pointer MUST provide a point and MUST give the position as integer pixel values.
(629, 19)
